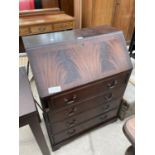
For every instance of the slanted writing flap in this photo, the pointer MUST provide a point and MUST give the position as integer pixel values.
(70, 64)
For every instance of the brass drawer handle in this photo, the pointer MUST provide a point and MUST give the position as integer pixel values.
(112, 84)
(68, 102)
(71, 112)
(71, 123)
(108, 97)
(71, 131)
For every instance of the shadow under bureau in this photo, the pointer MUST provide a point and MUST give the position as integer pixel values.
(81, 81)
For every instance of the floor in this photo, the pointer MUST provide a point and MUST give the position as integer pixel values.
(108, 140)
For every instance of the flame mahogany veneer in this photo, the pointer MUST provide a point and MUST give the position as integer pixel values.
(80, 81)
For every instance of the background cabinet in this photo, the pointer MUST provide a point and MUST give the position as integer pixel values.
(97, 12)
(117, 13)
(124, 17)
(49, 3)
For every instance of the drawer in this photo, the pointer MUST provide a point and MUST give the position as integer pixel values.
(63, 26)
(41, 29)
(82, 117)
(84, 126)
(24, 31)
(86, 105)
(83, 93)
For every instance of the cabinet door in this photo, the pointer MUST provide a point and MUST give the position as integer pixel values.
(50, 3)
(97, 12)
(124, 17)
(67, 6)
(103, 11)
(86, 13)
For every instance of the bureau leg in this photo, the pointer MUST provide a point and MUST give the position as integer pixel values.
(38, 134)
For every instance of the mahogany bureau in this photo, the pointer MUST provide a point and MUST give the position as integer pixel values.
(80, 81)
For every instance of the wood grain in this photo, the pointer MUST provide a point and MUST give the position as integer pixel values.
(117, 13)
(103, 11)
(78, 13)
(44, 19)
(124, 17)
(84, 126)
(91, 69)
(79, 62)
(37, 24)
(50, 3)
(67, 6)
(87, 13)
(63, 36)
(98, 12)
(39, 12)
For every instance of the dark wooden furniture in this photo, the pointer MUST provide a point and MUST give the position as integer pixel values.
(80, 81)
(34, 41)
(129, 131)
(28, 113)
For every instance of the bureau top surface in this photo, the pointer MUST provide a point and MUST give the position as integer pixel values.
(44, 19)
(55, 37)
(65, 65)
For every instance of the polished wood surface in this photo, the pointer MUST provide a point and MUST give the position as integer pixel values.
(67, 6)
(103, 88)
(43, 21)
(81, 78)
(124, 17)
(59, 123)
(50, 3)
(87, 7)
(98, 12)
(78, 13)
(117, 13)
(103, 12)
(51, 38)
(63, 65)
(84, 126)
(36, 12)
(26, 104)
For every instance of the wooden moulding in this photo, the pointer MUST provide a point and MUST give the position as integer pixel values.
(40, 12)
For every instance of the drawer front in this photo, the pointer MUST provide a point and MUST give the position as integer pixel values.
(24, 31)
(82, 117)
(86, 105)
(63, 26)
(41, 29)
(78, 95)
(84, 126)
